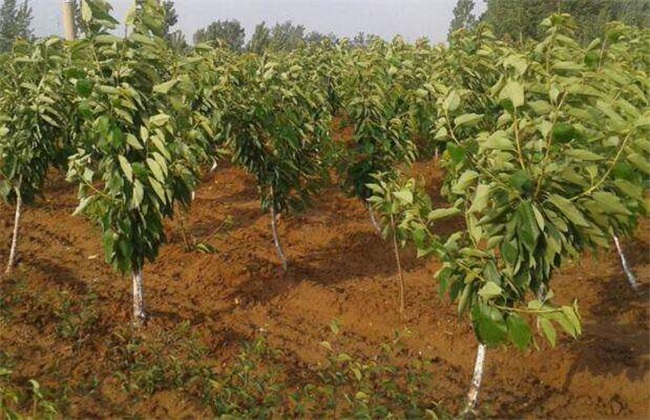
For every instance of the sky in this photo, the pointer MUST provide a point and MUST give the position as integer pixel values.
(386, 18)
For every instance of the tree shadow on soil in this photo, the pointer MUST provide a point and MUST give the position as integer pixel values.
(59, 274)
(356, 256)
(616, 340)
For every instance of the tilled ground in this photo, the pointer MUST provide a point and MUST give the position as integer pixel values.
(339, 269)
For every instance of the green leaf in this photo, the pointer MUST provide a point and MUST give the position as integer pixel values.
(160, 145)
(563, 132)
(159, 120)
(549, 330)
(489, 325)
(361, 396)
(644, 121)
(509, 252)
(451, 102)
(456, 152)
(480, 201)
(156, 170)
(138, 194)
(467, 119)
(404, 196)
(164, 88)
(158, 188)
(498, 140)
(84, 87)
(519, 331)
(490, 290)
(464, 299)
(132, 141)
(629, 189)
(126, 167)
(521, 181)
(443, 213)
(610, 203)
(567, 66)
(583, 155)
(518, 62)
(640, 162)
(49, 120)
(108, 39)
(513, 91)
(573, 318)
(568, 209)
(82, 205)
(540, 107)
(464, 181)
(441, 134)
(86, 11)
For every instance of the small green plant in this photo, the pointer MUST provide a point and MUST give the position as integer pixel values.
(399, 202)
(30, 403)
(76, 318)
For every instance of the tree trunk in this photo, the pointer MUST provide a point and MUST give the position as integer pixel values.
(139, 314)
(626, 266)
(276, 239)
(400, 274)
(373, 220)
(472, 395)
(14, 240)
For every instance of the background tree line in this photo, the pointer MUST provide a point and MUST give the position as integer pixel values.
(15, 21)
(518, 20)
(514, 20)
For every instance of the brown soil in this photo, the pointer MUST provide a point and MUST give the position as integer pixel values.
(338, 268)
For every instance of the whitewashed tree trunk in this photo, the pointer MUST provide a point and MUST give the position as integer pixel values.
(374, 221)
(472, 395)
(276, 238)
(139, 314)
(626, 266)
(14, 240)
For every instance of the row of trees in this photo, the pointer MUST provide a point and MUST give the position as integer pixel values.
(519, 20)
(16, 18)
(280, 37)
(15, 21)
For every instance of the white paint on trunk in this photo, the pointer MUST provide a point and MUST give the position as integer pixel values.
(139, 314)
(14, 240)
(276, 239)
(472, 395)
(374, 221)
(626, 266)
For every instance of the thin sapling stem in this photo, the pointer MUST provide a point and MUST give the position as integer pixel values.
(400, 274)
(373, 220)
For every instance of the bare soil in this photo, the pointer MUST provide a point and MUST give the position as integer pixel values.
(338, 268)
